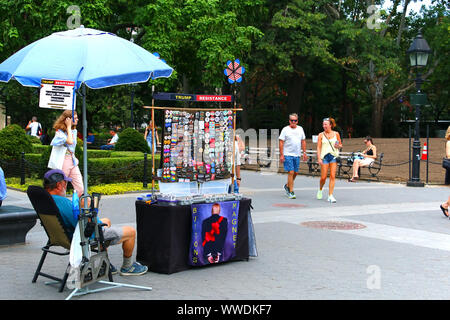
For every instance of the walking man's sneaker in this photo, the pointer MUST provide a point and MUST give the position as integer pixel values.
(291, 195)
(286, 189)
(319, 195)
(331, 199)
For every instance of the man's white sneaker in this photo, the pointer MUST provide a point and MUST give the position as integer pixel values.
(331, 199)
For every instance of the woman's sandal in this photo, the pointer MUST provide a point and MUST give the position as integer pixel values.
(353, 179)
(444, 211)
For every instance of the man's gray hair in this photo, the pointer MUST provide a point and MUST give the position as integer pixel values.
(293, 115)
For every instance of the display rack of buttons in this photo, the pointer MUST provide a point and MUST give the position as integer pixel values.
(197, 145)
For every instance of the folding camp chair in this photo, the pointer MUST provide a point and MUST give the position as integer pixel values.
(58, 234)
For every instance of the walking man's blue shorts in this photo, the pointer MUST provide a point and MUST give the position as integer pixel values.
(291, 163)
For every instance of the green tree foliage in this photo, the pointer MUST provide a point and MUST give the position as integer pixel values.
(315, 57)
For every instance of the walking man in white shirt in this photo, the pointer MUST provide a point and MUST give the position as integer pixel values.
(34, 127)
(292, 142)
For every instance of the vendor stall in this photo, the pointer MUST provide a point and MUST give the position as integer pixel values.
(194, 219)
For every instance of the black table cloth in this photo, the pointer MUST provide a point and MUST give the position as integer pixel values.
(164, 235)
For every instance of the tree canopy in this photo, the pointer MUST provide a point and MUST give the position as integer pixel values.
(319, 58)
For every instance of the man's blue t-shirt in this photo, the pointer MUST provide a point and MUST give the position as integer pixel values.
(65, 208)
(2, 185)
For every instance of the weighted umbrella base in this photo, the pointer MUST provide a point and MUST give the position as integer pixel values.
(112, 285)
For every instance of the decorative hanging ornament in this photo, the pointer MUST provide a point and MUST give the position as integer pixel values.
(234, 71)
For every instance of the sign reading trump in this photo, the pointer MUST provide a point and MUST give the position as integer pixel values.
(214, 232)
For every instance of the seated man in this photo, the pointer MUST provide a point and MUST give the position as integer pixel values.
(111, 142)
(55, 182)
(90, 138)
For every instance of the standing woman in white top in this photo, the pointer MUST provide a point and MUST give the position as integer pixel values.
(328, 145)
(63, 152)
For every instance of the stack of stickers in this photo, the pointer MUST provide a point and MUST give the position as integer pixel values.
(197, 145)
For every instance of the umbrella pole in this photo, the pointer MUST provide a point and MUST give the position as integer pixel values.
(234, 144)
(153, 150)
(153, 141)
(85, 170)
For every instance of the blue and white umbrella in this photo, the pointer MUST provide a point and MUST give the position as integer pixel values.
(90, 57)
(96, 58)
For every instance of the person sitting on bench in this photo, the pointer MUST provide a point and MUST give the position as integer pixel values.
(55, 182)
(111, 142)
(365, 159)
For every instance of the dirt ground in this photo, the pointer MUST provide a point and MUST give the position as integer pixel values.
(395, 162)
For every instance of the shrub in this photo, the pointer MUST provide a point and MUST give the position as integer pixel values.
(131, 140)
(109, 170)
(33, 139)
(121, 154)
(39, 148)
(13, 141)
(91, 154)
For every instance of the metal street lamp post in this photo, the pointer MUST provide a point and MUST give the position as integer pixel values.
(418, 54)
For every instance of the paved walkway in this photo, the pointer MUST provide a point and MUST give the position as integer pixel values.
(394, 243)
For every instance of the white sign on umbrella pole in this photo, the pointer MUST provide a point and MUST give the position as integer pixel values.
(57, 94)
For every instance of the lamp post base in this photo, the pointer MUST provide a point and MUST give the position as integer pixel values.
(415, 184)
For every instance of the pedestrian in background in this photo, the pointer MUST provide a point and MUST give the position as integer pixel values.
(447, 154)
(444, 207)
(364, 159)
(3, 189)
(63, 149)
(111, 142)
(151, 136)
(291, 143)
(34, 127)
(328, 145)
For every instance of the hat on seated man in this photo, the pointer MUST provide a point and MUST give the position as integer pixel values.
(55, 182)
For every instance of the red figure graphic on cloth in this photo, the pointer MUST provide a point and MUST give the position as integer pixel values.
(214, 232)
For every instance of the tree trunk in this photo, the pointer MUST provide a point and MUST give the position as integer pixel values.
(376, 91)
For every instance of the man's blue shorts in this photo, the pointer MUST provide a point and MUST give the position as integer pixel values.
(291, 163)
(329, 158)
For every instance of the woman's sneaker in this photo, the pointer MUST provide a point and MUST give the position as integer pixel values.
(331, 199)
(136, 269)
(319, 194)
(291, 195)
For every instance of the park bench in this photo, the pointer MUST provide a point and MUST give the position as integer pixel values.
(263, 158)
(347, 163)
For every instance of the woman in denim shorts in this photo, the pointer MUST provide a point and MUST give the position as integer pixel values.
(328, 145)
